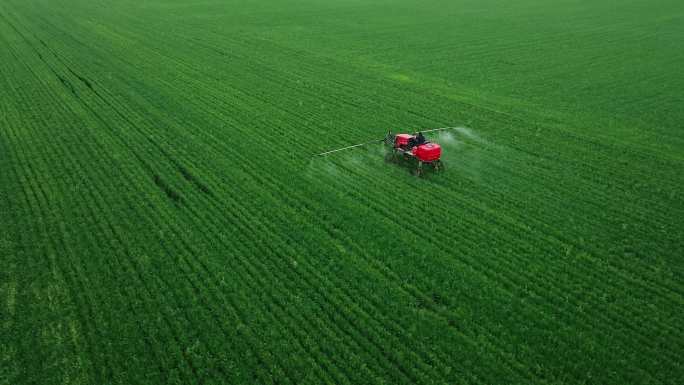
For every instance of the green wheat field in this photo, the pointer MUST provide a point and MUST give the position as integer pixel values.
(163, 219)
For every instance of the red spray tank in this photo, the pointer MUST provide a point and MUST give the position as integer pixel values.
(428, 152)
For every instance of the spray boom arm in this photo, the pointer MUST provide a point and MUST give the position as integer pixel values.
(378, 141)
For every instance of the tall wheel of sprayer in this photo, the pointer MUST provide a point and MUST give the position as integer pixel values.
(419, 169)
(390, 156)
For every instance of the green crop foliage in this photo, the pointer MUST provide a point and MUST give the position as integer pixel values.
(163, 220)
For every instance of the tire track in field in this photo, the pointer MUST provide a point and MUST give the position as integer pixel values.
(161, 183)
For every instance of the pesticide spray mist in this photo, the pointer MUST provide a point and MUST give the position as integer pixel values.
(447, 139)
(468, 133)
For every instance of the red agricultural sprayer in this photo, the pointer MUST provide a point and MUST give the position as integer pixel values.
(411, 149)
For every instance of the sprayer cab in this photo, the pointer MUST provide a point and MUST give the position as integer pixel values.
(402, 140)
(415, 149)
